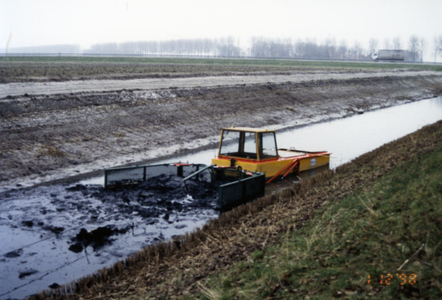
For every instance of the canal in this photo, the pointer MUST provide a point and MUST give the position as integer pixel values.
(38, 226)
(349, 137)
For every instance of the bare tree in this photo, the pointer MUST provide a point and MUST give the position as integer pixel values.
(342, 49)
(413, 47)
(357, 50)
(422, 46)
(397, 43)
(387, 43)
(300, 48)
(437, 46)
(330, 48)
(373, 45)
(209, 47)
(260, 47)
(228, 47)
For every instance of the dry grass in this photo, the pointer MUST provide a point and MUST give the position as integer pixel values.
(51, 151)
(388, 229)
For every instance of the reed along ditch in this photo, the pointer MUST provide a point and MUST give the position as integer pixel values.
(55, 234)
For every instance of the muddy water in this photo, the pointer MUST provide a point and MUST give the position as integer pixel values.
(40, 227)
(51, 235)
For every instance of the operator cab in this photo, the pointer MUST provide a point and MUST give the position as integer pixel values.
(248, 143)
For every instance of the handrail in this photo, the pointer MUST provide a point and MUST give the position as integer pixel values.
(197, 172)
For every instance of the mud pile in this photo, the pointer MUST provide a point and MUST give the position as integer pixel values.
(163, 196)
(54, 234)
(51, 132)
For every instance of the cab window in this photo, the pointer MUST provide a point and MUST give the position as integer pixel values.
(230, 143)
(267, 147)
(238, 144)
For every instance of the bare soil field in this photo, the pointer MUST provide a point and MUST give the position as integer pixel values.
(56, 129)
(137, 69)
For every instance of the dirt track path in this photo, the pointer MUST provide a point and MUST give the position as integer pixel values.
(52, 88)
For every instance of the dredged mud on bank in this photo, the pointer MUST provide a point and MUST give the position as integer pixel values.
(53, 136)
(50, 88)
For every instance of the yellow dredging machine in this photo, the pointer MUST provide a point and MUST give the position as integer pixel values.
(255, 149)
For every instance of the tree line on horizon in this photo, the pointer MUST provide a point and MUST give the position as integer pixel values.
(259, 47)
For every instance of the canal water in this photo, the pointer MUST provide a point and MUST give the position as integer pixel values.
(39, 226)
(349, 137)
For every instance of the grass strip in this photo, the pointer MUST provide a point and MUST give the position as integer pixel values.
(216, 62)
(381, 242)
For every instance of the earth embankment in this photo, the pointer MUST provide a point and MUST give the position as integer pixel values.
(52, 130)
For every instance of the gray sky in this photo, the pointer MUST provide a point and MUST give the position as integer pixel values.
(86, 22)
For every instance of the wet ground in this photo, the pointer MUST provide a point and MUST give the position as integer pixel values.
(55, 234)
(49, 88)
(58, 233)
(51, 133)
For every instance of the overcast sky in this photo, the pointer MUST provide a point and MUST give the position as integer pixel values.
(85, 22)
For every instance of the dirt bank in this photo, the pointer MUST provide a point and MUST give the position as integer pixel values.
(190, 82)
(51, 130)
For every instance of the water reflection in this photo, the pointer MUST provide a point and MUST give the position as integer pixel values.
(351, 137)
